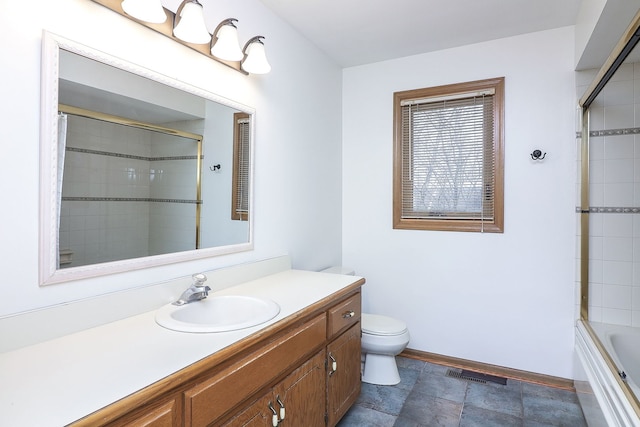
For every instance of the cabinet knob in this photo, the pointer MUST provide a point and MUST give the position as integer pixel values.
(348, 314)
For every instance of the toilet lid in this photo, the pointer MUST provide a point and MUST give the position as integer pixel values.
(376, 324)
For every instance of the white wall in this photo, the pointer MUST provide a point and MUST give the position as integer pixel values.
(505, 299)
(298, 120)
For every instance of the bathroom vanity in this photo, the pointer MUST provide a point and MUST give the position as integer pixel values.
(303, 366)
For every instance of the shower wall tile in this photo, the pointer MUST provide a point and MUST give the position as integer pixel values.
(596, 171)
(616, 225)
(596, 148)
(616, 316)
(615, 182)
(596, 271)
(615, 296)
(596, 194)
(619, 147)
(596, 226)
(596, 248)
(636, 225)
(617, 170)
(618, 194)
(104, 231)
(595, 294)
(617, 249)
(619, 116)
(636, 276)
(619, 93)
(636, 115)
(595, 313)
(596, 116)
(617, 273)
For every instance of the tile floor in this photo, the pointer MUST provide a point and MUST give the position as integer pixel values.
(426, 396)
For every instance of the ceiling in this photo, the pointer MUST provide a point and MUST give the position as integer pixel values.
(356, 32)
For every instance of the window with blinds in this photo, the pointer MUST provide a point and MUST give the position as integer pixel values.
(448, 165)
(241, 165)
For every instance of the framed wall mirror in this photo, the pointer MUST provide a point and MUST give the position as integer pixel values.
(137, 169)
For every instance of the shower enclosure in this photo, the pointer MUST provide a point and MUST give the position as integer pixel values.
(608, 332)
(129, 189)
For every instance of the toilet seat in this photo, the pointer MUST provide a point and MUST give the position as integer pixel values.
(375, 324)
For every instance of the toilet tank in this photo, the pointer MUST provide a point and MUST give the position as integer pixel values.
(339, 270)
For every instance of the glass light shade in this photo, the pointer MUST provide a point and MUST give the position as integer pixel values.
(145, 10)
(256, 60)
(191, 27)
(227, 46)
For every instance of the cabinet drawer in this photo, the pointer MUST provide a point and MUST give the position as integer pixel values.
(165, 415)
(344, 314)
(206, 402)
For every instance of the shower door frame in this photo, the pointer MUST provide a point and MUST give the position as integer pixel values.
(109, 118)
(623, 48)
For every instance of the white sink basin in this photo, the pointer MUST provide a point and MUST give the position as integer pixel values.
(220, 313)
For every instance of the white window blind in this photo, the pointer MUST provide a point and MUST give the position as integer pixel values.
(448, 161)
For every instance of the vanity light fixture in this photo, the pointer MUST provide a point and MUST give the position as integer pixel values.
(255, 59)
(225, 44)
(145, 10)
(187, 26)
(189, 23)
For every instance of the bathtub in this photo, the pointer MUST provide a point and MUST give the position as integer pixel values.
(622, 343)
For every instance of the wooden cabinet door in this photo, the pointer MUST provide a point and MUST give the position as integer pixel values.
(300, 397)
(343, 384)
(257, 414)
(302, 394)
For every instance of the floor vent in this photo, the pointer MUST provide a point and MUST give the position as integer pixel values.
(475, 376)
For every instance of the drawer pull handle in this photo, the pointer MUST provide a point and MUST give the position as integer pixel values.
(348, 314)
(274, 417)
(334, 364)
(282, 412)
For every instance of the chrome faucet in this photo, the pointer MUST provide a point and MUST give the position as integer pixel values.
(197, 291)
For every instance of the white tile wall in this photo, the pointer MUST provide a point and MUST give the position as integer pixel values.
(100, 231)
(614, 161)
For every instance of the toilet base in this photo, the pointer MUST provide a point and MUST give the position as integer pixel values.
(380, 369)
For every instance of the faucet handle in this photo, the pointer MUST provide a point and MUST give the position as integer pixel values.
(199, 279)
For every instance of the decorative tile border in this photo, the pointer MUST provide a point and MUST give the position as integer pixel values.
(609, 209)
(611, 132)
(128, 199)
(129, 156)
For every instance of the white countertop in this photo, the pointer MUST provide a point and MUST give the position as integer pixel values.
(56, 382)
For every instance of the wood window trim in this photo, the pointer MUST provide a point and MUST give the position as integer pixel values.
(473, 225)
(235, 185)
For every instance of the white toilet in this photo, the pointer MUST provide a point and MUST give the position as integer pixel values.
(383, 338)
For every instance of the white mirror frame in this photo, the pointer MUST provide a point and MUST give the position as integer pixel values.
(49, 273)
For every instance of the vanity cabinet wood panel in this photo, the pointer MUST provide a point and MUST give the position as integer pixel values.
(235, 385)
(343, 315)
(343, 383)
(215, 396)
(167, 414)
(299, 397)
